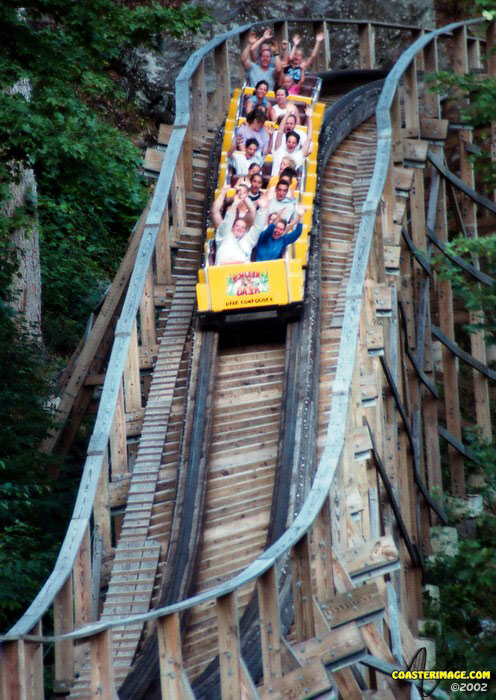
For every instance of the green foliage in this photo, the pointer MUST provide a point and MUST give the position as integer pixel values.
(31, 513)
(476, 297)
(89, 196)
(86, 170)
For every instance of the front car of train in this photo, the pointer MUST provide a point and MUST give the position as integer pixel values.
(273, 288)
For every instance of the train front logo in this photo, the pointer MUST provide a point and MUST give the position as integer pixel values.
(249, 282)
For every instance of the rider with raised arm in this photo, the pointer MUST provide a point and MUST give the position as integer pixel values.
(274, 239)
(234, 238)
(264, 68)
(291, 147)
(297, 64)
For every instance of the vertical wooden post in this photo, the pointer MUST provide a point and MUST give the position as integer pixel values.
(366, 40)
(302, 590)
(491, 73)
(418, 34)
(118, 442)
(474, 53)
(270, 625)
(432, 100)
(412, 121)
(173, 682)
(102, 680)
(321, 534)
(469, 216)
(63, 623)
(132, 383)
(101, 508)
(450, 373)
(187, 158)
(323, 59)
(147, 313)
(33, 652)
(229, 647)
(163, 270)
(243, 39)
(199, 95)
(280, 32)
(178, 194)
(82, 582)
(12, 677)
(223, 80)
(395, 116)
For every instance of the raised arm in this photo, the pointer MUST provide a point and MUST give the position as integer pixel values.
(215, 214)
(307, 146)
(319, 38)
(270, 131)
(252, 38)
(251, 49)
(280, 133)
(252, 211)
(296, 43)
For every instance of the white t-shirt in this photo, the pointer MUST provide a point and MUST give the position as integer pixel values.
(281, 153)
(230, 248)
(241, 163)
(288, 203)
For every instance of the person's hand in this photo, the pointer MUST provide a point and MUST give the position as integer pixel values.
(239, 138)
(309, 112)
(319, 37)
(267, 34)
(252, 37)
(269, 129)
(241, 193)
(300, 210)
(296, 39)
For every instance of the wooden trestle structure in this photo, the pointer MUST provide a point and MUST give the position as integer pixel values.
(339, 583)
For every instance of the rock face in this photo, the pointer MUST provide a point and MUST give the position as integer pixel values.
(151, 75)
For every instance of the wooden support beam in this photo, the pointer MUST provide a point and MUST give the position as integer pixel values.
(63, 623)
(132, 382)
(229, 646)
(491, 73)
(33, 666)
(302, 590)
(366, 41)
(163, 271)
(270, 625)
(281, 33)
(322, 61)
(222, 80)
(450, 371)
(117, 443)
(395, 116)
(101, 509)
(469, 217)
(432, 100)
(178, 194)
(12, 676)
(410, 92)
(102, 679)
(82, 582)
(147, 313)
(321, 536)
(173, 680)
(199, 100)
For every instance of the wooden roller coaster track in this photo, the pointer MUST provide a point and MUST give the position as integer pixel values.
(253, 516)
